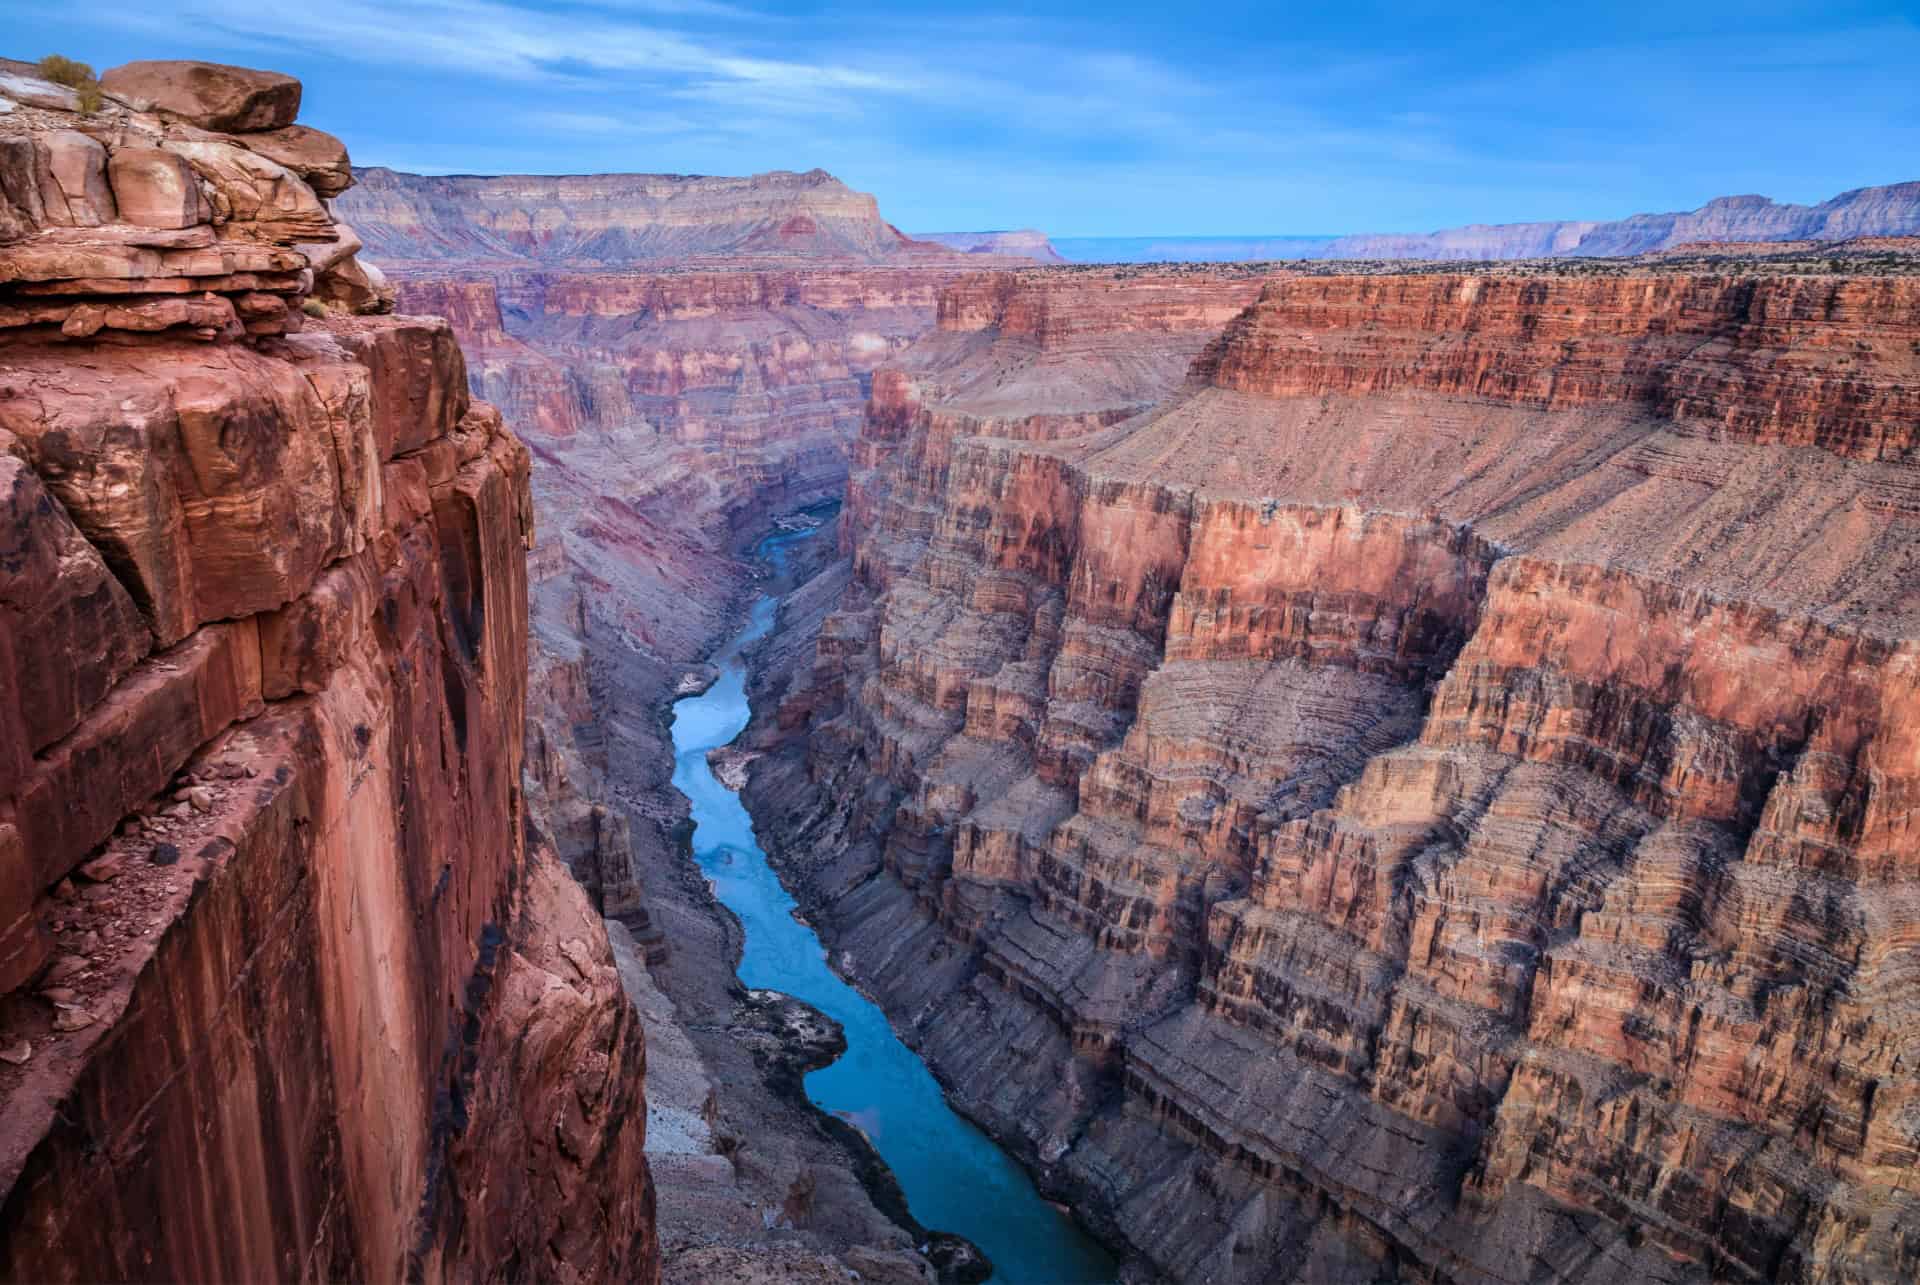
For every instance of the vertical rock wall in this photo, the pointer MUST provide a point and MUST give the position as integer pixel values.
(292, 989)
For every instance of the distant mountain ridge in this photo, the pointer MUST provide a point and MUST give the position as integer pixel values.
(1026, 243)
(1188, 249)
(1889, 210)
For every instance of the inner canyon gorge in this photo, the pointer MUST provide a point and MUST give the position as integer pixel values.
(1365, 768)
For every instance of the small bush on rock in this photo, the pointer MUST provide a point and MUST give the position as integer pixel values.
(315, 309)
(77, 76)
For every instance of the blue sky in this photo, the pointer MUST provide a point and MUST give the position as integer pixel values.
(1094, 118)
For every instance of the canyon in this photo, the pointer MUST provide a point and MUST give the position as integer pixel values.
(1413, 778)
(671, 411)
(1344, 770)
(687, 359)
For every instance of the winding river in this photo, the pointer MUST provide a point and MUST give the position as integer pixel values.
(954, 1177)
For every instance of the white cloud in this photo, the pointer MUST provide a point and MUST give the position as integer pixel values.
(500, 41)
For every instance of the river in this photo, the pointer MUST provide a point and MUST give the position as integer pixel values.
(955, 1178)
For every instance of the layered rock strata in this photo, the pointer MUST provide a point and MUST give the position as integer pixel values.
(293, 989)
(584, 220)
(1435, 797)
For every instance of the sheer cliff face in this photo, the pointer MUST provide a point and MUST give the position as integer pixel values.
(290, 991)
(1438, 792)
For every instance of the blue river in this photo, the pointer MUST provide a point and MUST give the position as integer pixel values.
(955, 1178)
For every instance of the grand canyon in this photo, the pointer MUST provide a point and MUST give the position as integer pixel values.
(645, 727)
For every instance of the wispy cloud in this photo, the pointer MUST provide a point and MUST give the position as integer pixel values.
(505, 42)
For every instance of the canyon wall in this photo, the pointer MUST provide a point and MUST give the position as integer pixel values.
(293, 987)
(1434, 797)
(1892, 210)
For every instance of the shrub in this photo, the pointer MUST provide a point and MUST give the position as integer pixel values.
(77, 76)
(315, 309)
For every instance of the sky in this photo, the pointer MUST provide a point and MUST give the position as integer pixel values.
(1098, 118)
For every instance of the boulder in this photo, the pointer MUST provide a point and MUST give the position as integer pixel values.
(315, 155)
(345, 244)
(156, 188)
(254, 195)
(234, 100)
(358, 287)
(72, 170)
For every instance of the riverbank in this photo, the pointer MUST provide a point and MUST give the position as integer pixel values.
(953, 1176)
(750, 1188)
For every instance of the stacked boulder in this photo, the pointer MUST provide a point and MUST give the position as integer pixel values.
(188, 202)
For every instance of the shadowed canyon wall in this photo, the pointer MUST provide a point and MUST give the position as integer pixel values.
(1433, 797)
(293, 988)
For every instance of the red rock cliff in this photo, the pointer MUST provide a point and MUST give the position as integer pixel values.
(292, 990)
(1437, 793)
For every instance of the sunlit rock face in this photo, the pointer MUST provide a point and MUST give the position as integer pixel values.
(1427, 787)
(292, 988)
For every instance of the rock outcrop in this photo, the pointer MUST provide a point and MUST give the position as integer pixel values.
(292, 988)
(1433, 798)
